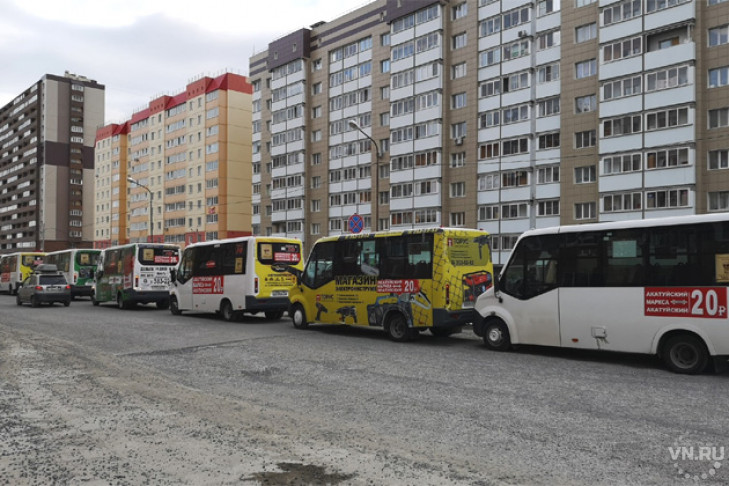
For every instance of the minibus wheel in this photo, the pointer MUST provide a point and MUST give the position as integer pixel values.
(685, 353)
(298, 317)
(120, 301)
(398, 330)
(226, 310)
(174, 306)
(496, 335)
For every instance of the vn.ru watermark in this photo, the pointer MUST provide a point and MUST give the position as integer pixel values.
(696, 461)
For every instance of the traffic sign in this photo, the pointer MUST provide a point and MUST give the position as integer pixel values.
(355, 223)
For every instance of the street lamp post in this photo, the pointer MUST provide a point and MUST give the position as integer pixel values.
(151, 196)
(376, 198)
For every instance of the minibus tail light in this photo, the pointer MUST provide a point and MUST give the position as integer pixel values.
(448, 294)
(255, 285)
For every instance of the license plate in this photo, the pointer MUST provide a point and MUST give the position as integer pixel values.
(53, 290)
(280, 293)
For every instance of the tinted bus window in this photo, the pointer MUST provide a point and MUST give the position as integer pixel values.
(233, 258)
(158, 256)
(270, 253)
(85, 258)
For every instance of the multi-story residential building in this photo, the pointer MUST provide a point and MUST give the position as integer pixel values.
(187, 159)
(47, 164)
(502, 115)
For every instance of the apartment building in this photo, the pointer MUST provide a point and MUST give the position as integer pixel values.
(502, 115)
(178, 171)
(47, 164)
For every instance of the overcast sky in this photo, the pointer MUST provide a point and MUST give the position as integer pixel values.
(141, 49)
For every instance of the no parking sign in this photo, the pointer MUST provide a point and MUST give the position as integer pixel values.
(355, 223)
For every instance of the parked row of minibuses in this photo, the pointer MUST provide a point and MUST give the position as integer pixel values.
(77, 265)
(649, 286)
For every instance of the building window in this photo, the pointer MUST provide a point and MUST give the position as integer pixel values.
(584, 175)
(458, 70)
(490, 57)
(719, 35)
(672, 198)
(488, 213)
(489, 182)
(585, 211)
(459, 41)
(459, 11)
(316, 88)
(490, 26)
(622, 49)
(719, 159)
(548, 107)
(547, 73)
(514, 211)
(515, 146)
(490, 88)
(613, 203)
(618, 164)
(719, 118)
(587, 32)
(385, 66)
(719, 201)
(458, 189)
(627, 9)
(668, 78)
(458, 130)
(622, 87)
(624, 125)
(458, 101)
(585, 139)
(548, 208)
(546, 7)
(548, 40)
(718, 77)
(458, 160)
(489, 150)
(548, 175)
(661, 159)
(548, 141)
(668, 119)
(458, 219)
(585, 69)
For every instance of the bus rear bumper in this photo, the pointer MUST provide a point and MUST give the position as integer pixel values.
(445, 319)
(146, 296)
(270, 304)
(81, 290)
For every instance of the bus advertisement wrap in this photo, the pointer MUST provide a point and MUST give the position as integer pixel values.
(706, 302)
(402, 281)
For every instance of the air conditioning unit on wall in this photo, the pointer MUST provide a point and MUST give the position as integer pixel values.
(523, 33)
(458, 140)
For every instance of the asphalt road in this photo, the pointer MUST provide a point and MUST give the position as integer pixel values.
(96, 395)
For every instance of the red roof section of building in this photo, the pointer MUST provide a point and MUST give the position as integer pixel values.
(227, 81)
(109, 131)
(140, 115)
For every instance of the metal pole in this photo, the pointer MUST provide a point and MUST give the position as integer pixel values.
(376, 199)
(151, 197)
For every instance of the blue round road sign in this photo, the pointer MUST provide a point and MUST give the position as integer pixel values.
(355, 223)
